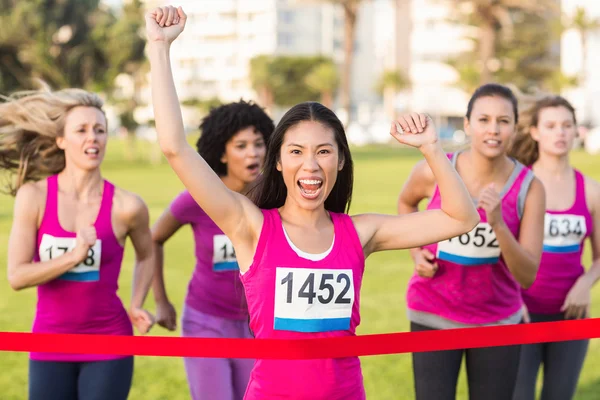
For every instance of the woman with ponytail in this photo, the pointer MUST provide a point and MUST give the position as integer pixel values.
(68, 236)
(562, 287)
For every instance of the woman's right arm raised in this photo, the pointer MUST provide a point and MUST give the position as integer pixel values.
(233, 213)
(22, 243)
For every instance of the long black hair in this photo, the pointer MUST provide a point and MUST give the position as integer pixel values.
(222, 123)
(271, 192)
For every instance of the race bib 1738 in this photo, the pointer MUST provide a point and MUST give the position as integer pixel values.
(86, 271)
(223, 254)
(313, 300)
(474, 248)
(563, 233)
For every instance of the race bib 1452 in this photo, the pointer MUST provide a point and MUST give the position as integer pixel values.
(563, 233)
(224, 254)
(313, 300)
(86, 271)
(474, 248)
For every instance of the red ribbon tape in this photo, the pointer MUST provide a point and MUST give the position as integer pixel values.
(364, 345)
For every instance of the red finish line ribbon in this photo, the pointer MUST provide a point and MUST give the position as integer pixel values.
(364, 345)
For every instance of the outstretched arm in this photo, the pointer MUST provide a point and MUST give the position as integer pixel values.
(236, 215)
(456, 216)
(163, 229)
(138, 221)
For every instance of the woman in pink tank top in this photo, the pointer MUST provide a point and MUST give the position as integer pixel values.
(233, 143)
(562, 287)
(300, 255)
(67, 239)
(475, 279)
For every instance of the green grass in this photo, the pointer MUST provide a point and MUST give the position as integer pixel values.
(380, 174)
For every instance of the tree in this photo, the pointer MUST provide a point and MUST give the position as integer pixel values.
(493, 18)
(67, 43)
(584, 25)
(350, 8)
(324, 78)
(522, 56)
(389, 84)
(261, 80)
(282, 80)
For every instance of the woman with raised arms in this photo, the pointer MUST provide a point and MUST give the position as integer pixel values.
(301, 257)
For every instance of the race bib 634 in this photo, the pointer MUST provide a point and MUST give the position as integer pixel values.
(313, 300)
(563, 233)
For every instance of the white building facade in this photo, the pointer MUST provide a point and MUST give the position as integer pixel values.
(212, 57)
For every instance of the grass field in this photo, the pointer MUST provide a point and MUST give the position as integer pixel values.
(379, 175)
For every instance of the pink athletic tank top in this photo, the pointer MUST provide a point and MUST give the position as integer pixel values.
(564, 234)
(83, 300)
(290, 297)
(215, 287)
(473, 285)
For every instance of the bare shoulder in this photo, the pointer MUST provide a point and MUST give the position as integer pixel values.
(536, 189)
(592, 194)
(32, 196)
(130, 207)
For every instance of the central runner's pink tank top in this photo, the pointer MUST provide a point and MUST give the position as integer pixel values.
(473, 285)
(83, 300)
(291, 297)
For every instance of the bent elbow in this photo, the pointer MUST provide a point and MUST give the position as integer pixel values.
(15, 283)
(527, 283)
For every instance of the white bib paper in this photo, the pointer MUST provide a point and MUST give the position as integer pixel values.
(474, 248)
(86, 271)
(563, 233)
(224, 254)
(313, 300)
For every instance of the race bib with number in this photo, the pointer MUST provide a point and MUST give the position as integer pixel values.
(223, 254)
(86, 271)
(313, 300)
(563, 233)
(474, 248)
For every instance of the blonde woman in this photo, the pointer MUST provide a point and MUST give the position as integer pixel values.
(67, 239)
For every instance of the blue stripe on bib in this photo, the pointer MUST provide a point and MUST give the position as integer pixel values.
(466, 260)
(88, 276)
(562, 249)
(312, 325)
(226, 266)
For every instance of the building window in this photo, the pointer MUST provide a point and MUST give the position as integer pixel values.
(287, 17)
(285, 39)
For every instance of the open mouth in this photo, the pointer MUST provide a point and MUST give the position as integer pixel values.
(492, 142)
(310, 188)
(92, 152)
(561, 144)
(253, 168)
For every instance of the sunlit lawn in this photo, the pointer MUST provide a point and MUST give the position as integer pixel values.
(379, 175)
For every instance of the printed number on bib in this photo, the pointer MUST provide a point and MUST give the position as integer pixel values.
(313, 300)
(477, 247)
(88, 270)
(563, 233)
(223, 254)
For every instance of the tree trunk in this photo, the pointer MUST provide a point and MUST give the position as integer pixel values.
(389, 102)
(487, 51)
(587, 109)
(350, 11)
(327, 99)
